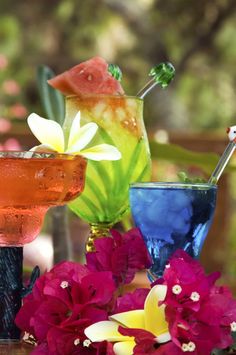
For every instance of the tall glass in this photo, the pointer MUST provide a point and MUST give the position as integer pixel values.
(104, 200)
(172, 216)
(30, 183)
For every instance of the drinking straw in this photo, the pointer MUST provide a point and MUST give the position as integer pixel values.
(162, 74)
(225, 156)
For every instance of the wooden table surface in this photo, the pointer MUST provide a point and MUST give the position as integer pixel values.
(15, 349)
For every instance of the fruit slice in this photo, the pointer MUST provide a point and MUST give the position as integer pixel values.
(89, 77)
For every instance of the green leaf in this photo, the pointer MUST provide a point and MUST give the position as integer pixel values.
(183, 177)
(219, 352)
(176, 154)
(52, 100)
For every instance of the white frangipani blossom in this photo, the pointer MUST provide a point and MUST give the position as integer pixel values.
(151, 319)
(51, 136)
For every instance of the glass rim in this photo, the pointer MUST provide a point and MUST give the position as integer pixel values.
(27, 154)
(84, 96)
(172, 184)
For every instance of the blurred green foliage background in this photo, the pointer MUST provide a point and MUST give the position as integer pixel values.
(198, 37)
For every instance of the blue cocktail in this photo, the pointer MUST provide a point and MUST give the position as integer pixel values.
(172, 216)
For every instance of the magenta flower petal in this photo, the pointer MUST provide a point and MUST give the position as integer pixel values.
(41, 349)
(131, 301)
(23, 317)
(198, 312)
(63, 303)
(123, 255)
(98, 287)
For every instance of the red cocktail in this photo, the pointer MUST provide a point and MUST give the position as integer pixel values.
(30, 183)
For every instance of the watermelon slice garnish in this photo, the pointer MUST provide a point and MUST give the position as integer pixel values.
(89, 77)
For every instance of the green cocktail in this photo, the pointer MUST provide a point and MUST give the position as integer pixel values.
(97, 93)
(105, 197)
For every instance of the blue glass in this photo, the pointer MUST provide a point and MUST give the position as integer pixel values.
(172, 216)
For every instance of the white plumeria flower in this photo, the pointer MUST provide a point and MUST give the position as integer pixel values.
(51, 135)
(151, 318)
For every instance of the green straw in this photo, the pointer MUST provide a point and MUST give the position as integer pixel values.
(162, 74)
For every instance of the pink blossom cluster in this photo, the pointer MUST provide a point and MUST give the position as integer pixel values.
(122, 255)
(10, 144)
(63, 302)
(70, 297)
(201, 315)
(11, 108)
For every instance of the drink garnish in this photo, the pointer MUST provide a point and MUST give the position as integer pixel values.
(93, 76)
(115, 71)
(162, 74)
(51, 135)
(183, 177)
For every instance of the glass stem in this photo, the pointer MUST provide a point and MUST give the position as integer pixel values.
(11, 270)
(60, 234)
(97, 230)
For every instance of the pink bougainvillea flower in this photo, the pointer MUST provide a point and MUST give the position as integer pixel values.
(63, 346)
(5, 125)
(75, 309)
(63, 302)
(11, 87)
(18, 111)
(200, 315)
(123, 255)
(132, 300)
(11, 144)
(89, 77)
(124, 328)
(186, 280)
(41, 349)
(146, 343)
(3, 61)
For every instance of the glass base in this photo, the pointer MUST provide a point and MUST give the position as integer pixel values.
(98, 230)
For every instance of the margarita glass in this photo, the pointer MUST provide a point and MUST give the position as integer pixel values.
(30, 183)
(172, 216)
(104, 200)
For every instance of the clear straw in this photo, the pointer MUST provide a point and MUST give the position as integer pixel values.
(222, 163)
(148, 87)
